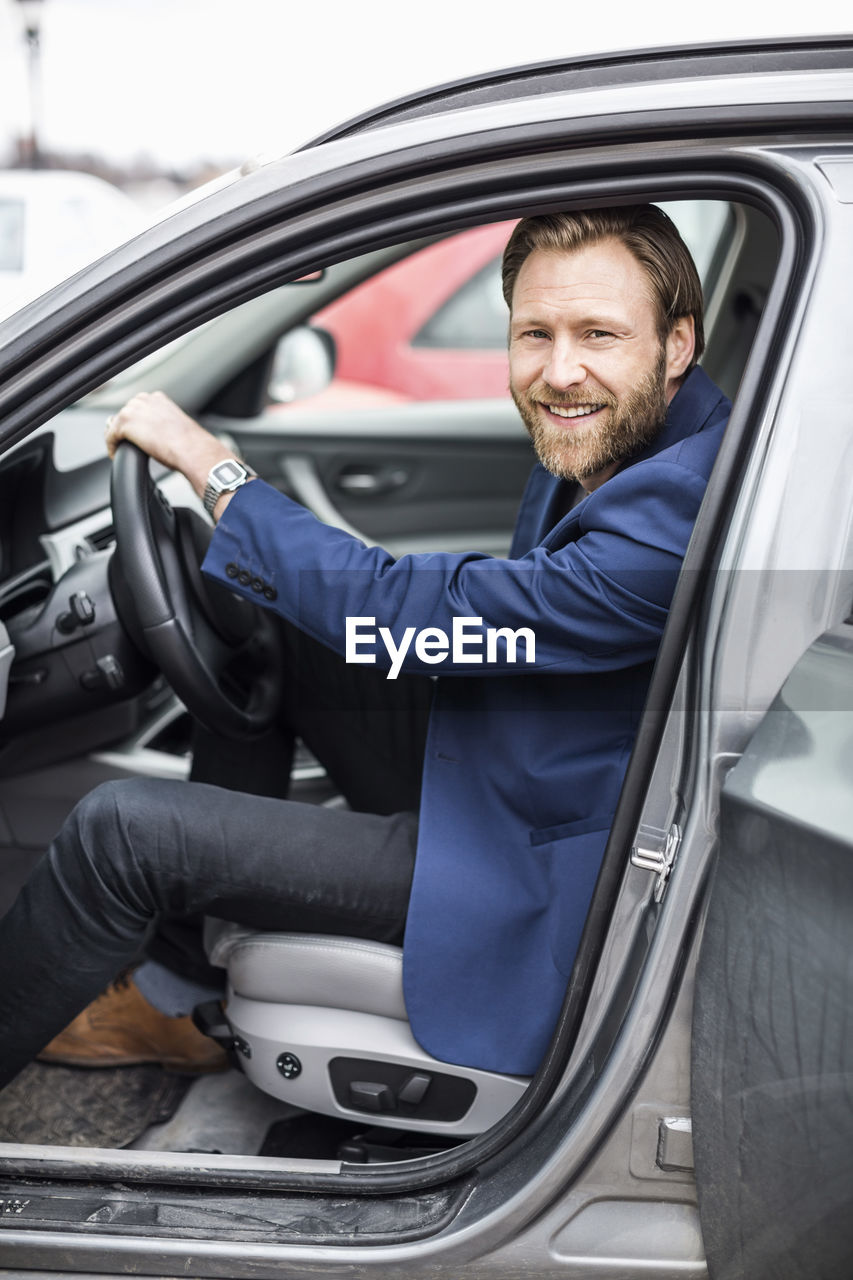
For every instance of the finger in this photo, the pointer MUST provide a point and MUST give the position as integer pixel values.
(111, 435)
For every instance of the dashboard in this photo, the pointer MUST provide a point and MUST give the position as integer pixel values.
(70, 653)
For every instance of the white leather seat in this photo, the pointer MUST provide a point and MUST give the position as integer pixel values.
(321, 1023)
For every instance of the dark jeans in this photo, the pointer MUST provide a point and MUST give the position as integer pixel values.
(140, 851)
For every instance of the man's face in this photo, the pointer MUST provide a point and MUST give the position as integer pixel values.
(588, 372)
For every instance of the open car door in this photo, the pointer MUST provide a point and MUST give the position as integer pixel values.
(773, 1023)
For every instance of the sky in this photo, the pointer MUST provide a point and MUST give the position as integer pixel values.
(183, 81)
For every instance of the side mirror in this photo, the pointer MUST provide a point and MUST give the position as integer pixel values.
(303, 364)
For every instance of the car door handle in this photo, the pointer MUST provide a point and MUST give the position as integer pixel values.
(301, 475)
(371, 481)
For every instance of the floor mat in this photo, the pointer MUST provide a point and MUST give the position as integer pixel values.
(222, 1113)
(73, 1107)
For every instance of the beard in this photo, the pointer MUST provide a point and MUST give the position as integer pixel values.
(578, 451)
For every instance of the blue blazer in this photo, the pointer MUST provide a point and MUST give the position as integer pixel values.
(524, 762)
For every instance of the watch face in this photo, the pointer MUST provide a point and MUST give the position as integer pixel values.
(227, 472)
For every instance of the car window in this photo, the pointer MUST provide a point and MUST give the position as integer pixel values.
(434, 325)
(420, 323)
(473, 318)
(705, 225)
(378, 326)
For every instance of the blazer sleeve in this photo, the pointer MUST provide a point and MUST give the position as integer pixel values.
(597, 600)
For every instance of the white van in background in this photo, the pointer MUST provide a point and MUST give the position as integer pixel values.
(52, 222)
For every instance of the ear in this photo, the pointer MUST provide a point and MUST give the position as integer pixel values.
(680, 345)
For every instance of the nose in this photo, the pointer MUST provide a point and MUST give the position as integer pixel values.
(564, 368)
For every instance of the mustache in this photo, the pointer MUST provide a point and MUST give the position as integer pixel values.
(543, 393)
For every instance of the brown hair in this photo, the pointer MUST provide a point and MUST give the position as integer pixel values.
(645, 230)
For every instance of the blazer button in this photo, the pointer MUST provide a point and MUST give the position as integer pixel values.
(270, 593)
(244, 577)
(258, 584)
(231, 569)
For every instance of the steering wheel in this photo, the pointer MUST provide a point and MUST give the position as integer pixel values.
(218, 651)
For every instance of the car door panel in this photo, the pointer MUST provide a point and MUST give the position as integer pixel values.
(773, 1033)
(438, 475)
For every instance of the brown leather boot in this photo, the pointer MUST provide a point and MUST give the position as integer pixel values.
(121, 1029)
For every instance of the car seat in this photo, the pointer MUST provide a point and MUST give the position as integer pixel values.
(320, 1022)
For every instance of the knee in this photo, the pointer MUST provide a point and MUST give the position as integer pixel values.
(102, 824)
(112, 844)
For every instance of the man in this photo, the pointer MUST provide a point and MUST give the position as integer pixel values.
(523, 761)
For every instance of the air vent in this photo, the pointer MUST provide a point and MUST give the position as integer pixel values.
(101, 539)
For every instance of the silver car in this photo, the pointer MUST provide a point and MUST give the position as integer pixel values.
(693, 1115)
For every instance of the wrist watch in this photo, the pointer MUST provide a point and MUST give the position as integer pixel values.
(225, 477)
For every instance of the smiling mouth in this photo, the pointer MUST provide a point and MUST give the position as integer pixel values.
(572, 410)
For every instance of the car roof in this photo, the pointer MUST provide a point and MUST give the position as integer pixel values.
(674, 62)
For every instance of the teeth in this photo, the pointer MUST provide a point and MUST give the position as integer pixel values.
(575, 411)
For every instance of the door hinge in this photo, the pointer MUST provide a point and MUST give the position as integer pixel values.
(656, 851)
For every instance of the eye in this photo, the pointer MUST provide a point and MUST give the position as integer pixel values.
(536, 333)
(599, 334)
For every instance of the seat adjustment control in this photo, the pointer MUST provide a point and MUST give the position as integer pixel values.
(378, 1096)
(404, 1091)
(370, 1095)
(289, 1065)
(414, 1089)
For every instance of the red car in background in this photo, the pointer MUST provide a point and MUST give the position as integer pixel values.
(431, 327)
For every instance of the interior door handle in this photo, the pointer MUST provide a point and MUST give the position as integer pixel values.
(301, 475)
(371, 481)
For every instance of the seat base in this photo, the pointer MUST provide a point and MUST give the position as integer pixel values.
(320, 1023)
(362, 1067)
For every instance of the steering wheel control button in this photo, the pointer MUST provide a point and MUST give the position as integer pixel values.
(370, 1095)
(270, 593)
(231, 569)
(289, 1065)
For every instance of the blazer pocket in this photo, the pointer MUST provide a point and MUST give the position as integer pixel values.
(577, 827)
(570, 863)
